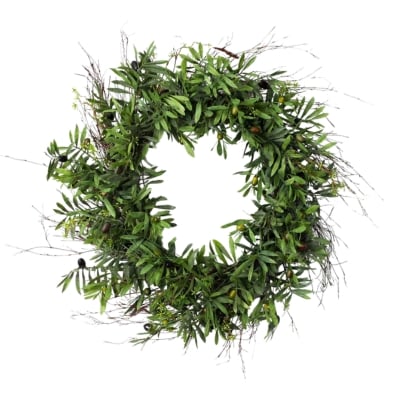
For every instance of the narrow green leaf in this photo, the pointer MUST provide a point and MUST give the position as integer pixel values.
(51, 169)
(67, 201)
(190, 260)
(232, 248)
(305, 294)
(146, 269)
(328, 146)
(249, 62)
(276, 166)
(262, 114)
(312, 209)
(61, 208)
(221, 306)
(242, 267)
(77, 282)
(212, 70)
(229, 82)
(197, 113)
(221, 251)
(143, 193)
(299, 229)
(76, 135)
(188, 145)
(250, 273)
(321, 138)
(175, 104)
(110, 208)
(194, 53)
(219, 148)
(307, 108)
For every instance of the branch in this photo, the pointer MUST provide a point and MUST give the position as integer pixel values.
(23, 160)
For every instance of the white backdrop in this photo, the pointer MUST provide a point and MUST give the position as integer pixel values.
(346, 349)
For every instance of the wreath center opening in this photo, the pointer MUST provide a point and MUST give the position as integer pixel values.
(204, 189)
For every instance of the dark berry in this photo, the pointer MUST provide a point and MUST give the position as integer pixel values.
(134, 65)
(263, 84)
(62, 158)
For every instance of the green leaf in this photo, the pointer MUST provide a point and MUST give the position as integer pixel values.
(321, 138)
(188, 145)
(146, 269)
(221, 306)
(175, 104)
(191, 260)
(143, 193)
(51, 168)
(305, 294)
(197, 113)
(307, 108)
(232, 248)
(250, 273)
(229, 82)
(318, 113)
(249, 62)
(328, 146)
(248, 261)
(110, 208)
(200, 45)
(61, 209)
(221, 251)
(262, 114)
(77, 282)
(312, 209)
(66, 281)
(212, 70)
(67, 201)
(76, 135)
(219, 148)
(299, 229)
(276, 166)
(194, 53)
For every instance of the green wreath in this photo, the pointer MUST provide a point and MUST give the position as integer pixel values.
(281, 251)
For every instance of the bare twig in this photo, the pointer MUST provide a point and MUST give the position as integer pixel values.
(23, 160)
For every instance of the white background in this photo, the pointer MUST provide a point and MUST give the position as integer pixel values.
(346, 349)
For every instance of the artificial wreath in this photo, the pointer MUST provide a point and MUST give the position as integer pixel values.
(284, 249)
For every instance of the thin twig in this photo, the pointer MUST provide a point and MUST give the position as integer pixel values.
(23, 160)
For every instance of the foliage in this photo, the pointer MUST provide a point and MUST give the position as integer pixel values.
(281, 251)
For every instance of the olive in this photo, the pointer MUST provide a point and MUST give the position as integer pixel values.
(232, 294)
(240, 227)
(255, 129)
(81, 263)
(106, 227)
(302, 247)
(263, 84)
(134, 65)
(62, 158)
(109, 116)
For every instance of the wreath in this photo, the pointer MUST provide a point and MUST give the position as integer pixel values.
(286, 248)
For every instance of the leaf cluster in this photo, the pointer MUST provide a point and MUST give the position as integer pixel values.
(107, 201)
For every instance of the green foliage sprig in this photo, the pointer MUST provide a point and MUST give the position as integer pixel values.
(277, 253)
